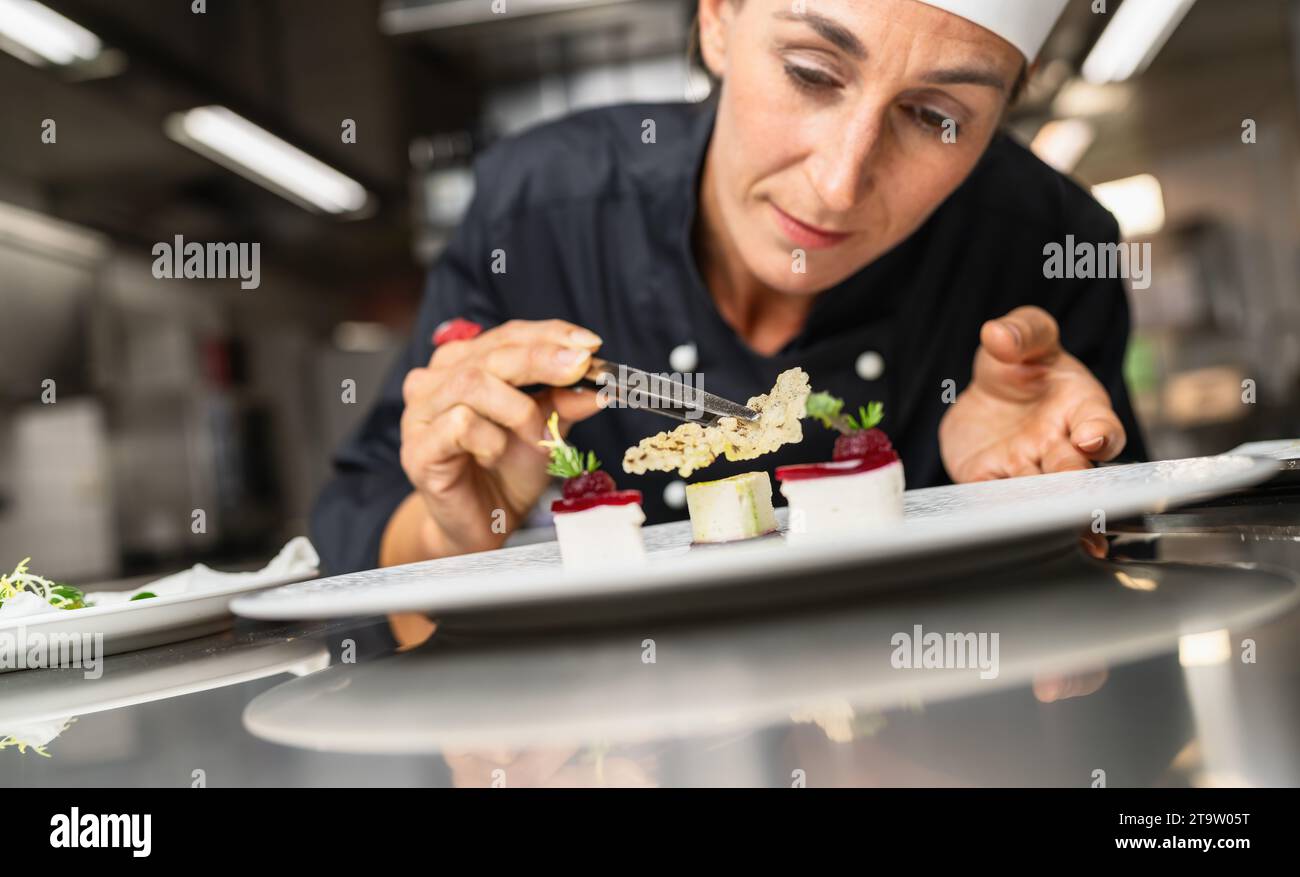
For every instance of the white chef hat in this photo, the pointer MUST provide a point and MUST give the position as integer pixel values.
(1024, 24)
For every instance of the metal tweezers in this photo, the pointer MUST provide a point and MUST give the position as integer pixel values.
(634, 388)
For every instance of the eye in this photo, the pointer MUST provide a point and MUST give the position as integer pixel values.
(931, 120)
(810, 78)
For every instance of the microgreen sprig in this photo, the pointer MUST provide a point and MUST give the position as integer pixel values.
(825, 408)
(829, 411)
(868, 417)
(566, 460)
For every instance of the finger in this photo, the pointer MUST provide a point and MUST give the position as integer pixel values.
(410, 629)
(1027, 334)
(979, 473)
(524, 364)
(1021, 467)
(1063, 457)
(1013, 382)
(1096, 431)
(417, 384)
(1020, 458)
(500, 756)
(487, 395)
(527, 333)
(559, 332)
(998, 463)
(1094, 544)
(1049, 689)
(535, 766)
(461, 430)
(572, 405)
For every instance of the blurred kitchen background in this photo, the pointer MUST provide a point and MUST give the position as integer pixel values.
(172, 396)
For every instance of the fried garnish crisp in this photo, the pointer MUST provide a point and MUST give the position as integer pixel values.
(691, 446)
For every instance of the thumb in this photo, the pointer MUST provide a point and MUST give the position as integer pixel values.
(572, 404)
(1026, 335)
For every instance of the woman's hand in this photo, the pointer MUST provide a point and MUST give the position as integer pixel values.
(470, 436)
(1030, 408)
(548, 768)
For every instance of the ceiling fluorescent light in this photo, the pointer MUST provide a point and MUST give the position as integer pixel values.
(38, 35)
(1063, 142)
(31, 230)
(1079, 98)
(258, 155)
(398, 17)
(1137, 202)
(1133, 38)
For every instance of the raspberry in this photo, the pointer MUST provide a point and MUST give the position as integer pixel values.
(589, 484)
(856, 445)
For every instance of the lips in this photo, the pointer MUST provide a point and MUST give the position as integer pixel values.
(810, 237)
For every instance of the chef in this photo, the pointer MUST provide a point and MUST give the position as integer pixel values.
(845, 202)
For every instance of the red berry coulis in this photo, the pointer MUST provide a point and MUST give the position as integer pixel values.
(854, 466)
(591, 500)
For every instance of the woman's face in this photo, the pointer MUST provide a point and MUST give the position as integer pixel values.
(842, 125)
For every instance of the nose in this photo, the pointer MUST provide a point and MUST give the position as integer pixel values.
(842, 166)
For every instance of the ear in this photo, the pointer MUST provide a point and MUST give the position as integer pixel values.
(715, 18)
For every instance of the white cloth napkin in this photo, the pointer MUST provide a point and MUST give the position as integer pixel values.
(297, 558)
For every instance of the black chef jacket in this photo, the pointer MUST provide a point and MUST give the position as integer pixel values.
(593, 225)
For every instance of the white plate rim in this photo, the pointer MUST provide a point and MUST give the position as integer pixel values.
(414, 595)
(92, 612)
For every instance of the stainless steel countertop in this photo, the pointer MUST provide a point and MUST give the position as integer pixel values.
(1174, 660)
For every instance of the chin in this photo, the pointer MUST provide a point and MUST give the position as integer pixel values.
(774, 271)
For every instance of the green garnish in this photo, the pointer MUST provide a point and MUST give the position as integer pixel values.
(868, 417)
(67, 597)
(566, 460)
(143, 595)
(825, 408)
(57, 595)
(828, 410)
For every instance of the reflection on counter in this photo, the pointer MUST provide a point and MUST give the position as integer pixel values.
(818, 695)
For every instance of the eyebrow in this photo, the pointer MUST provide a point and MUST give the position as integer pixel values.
(842, 38)
(966, 76)
(832, 31)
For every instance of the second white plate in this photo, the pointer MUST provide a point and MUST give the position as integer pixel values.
(140, 624)
(527, 585)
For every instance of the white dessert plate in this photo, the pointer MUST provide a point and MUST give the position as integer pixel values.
(945, 530)
(141, 624)
(1277, 449)
(1285, 451)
